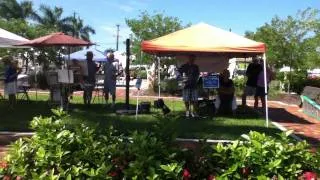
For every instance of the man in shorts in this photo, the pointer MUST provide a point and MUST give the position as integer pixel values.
(252, 73)
(90, 80)
(110, 79)
(190, 72)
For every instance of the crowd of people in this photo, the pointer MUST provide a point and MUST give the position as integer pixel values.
(225, 101)
(86, 81)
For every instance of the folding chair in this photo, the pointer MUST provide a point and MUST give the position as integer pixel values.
(98, 93)
(23, 90)
(98, 89)
(23, 87)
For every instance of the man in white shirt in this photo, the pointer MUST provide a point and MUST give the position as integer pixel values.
(110, 79)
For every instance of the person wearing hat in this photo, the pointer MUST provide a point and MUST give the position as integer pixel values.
(11, 75)
(90, 79)
(110, 79)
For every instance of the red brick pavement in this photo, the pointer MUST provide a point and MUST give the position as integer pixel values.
(292, 118)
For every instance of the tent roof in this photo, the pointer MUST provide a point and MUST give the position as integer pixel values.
(81, 55)
(202, 38)
(56, 39)
(8, 39)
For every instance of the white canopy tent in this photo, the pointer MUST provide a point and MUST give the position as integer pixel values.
(8, 39)
(81, 55)
(98, 56)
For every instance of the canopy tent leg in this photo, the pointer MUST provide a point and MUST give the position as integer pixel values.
(159, 94)
(127, 72)
(265, 88)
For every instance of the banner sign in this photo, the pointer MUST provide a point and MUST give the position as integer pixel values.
(210, 82)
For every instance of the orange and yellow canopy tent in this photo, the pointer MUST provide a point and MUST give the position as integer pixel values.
(202, 38)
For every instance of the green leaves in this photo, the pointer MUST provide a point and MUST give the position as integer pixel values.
(61, 149)
(266, 157)
(291, 41)
(147, 27)
(59, 113)
(172, 168)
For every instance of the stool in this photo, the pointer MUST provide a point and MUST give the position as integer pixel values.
(24, 91)
(98, 93)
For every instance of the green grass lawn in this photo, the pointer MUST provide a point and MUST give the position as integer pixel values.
(228, 128)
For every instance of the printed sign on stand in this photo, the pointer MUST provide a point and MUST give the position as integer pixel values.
(210, 82)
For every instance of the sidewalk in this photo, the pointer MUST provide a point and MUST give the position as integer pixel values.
(291, 117)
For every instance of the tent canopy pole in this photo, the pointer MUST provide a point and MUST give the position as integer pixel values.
(159, 93)
(265, 88)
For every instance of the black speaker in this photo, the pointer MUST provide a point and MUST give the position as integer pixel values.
(144, 107)
(160, 104)
(206, 108)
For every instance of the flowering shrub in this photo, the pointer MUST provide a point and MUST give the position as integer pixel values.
(62, 150)
(262, 157)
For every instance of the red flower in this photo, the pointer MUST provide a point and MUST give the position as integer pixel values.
(18, 178)
(211, 177)
(115, 160)
(245, 171)
(113, 174)
(309, 175)
(3, 165)
(186, 174)
(6, 177)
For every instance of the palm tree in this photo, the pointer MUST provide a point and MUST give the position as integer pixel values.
(11, 9)
(51, 18)
(77, 29)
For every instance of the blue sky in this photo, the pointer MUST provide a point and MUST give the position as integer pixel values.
(237, 15)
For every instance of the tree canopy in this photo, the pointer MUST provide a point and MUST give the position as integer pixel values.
(21, 18)
(47, 18)
(11, 9)
(147, 27)
(291, 41)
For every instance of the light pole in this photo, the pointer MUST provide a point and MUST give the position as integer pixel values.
(117, 48)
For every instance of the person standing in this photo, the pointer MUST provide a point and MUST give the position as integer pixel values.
(252, 73)
(90, 79)
(260, 91)
(190, 72)
(11, 75)
(110, 79)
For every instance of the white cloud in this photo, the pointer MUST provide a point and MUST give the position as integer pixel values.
(111, 30)
(126, 8)
(130, 6)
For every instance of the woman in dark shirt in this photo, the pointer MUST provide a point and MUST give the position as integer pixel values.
(11, 75)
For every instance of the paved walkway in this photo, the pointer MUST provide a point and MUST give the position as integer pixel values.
(291, 117)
